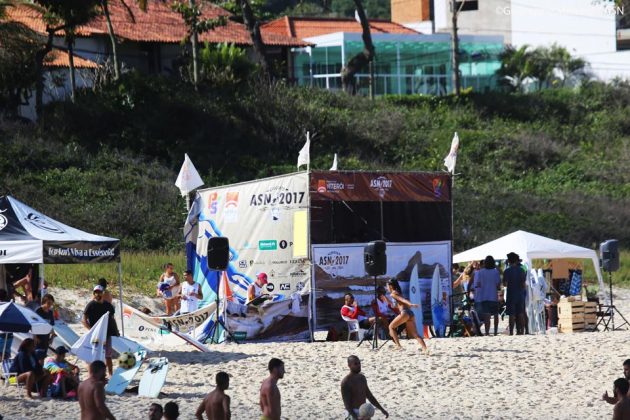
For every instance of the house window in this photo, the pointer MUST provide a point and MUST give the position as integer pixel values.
(468, 5)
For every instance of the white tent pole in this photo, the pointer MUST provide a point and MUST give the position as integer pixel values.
(120, 297)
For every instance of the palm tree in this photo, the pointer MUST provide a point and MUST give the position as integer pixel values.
(566, 64)
(515, 66)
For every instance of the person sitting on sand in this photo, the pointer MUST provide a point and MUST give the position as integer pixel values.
(270, 403)
(65, 375)
(155, 411)
(406, 316)
(216, 404)
(171, 411)
(29, 369)
(626, 374)
(622, 407)
(92, 394)
(355, 390)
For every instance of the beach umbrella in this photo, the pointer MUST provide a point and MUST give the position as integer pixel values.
(90, 347)
(16, 318)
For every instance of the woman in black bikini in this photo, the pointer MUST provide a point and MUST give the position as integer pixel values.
(406, 316)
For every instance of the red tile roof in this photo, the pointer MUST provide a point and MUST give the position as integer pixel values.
(59, 58)
(304, 27)
(158, 24)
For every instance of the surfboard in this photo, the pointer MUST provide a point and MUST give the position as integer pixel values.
(415, 296)
(437, 309)
(65, 334)
(153, 377)
(122, 377)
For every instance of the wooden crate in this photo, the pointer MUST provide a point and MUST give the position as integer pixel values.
(568, 327)
(570, 310)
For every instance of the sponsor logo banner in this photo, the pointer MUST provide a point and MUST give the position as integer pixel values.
(375, 186)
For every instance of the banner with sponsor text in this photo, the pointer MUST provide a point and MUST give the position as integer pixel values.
(339, 269)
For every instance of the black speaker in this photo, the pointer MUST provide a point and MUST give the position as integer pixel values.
(375, 258)
(609, 253)
(218, 253)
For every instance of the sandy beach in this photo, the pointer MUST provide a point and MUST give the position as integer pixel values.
(524, 377)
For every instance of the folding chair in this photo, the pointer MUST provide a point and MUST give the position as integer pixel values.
(7, 375)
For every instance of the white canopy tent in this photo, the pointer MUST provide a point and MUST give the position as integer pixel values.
(530, 246)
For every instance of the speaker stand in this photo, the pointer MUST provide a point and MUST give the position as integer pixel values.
(608, 311)
(374, 328)
(214, 330)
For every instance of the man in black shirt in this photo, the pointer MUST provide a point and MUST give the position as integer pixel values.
(46, 312)
(93, 312)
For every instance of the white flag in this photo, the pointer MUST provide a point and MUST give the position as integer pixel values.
(304, 157)
(188, 178)
(334, 165)
(451, 158)
(90, 347)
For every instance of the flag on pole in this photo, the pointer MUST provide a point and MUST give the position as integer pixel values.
(334, 165)
(188, 178)
(451, 158)
(304, 157)
(91, 346)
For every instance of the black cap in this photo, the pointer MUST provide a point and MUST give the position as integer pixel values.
(61, 350)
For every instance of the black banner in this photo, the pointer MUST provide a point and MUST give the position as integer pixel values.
(73, 252)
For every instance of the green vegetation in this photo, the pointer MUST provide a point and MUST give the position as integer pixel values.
(553, 162)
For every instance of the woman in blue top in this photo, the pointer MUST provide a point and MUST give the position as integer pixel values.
(29, 369)
(487, 284)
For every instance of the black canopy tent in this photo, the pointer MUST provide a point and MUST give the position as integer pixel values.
(30, 237)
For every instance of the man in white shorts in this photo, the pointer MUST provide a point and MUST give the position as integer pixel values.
(190, 294)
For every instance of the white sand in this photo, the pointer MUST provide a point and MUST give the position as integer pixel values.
(529, 377)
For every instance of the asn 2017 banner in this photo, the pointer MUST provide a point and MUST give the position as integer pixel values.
(258, 219)
(339, 269)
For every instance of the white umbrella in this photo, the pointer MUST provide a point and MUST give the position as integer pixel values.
(90, 347)
(16, 318)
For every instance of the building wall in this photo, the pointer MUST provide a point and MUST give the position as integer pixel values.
(486, 20)
(409, 11)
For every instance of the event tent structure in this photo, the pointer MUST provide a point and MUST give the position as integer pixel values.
(307, 232)
(530, 246)
(30, 237)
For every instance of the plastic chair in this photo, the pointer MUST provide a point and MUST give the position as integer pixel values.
(353, 327)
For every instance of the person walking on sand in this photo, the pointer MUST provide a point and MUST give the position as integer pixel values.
(406, 316)
(487, 283)
(622, 407)
(355, 390)
(269, 392)
(626, 374)
(92, 394)
(216, 404)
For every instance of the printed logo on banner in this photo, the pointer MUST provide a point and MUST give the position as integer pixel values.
(268, 245)
(284, 244)
(297, 274)
(278, 262)
(44, 223)
(270, 287)
(333, 262)
(277, 196)
(275, 214)
(382, 184)
(437, 187)
(256, 262)
(230, 214)
(3, 220)
(242, 264)
(3, 252)
(299, 286)
(285, 286)
(321, 186)
(213, 203)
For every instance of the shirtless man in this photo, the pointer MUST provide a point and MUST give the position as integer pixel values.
(216, 405)
(269, 392)
(622, 407)
(92, 394)
(354, 390)
(626, 374)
